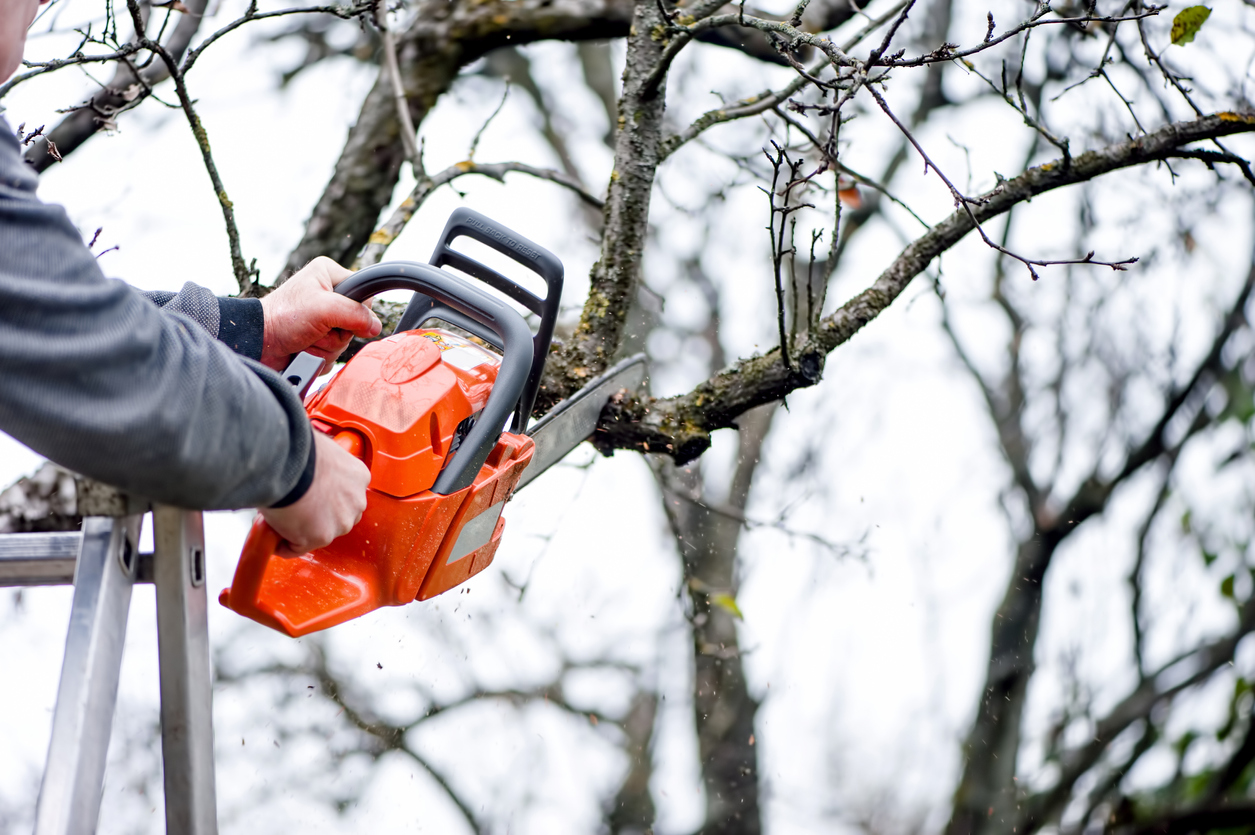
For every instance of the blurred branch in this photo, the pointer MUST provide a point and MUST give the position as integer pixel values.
(1166, 682)
(125, 90)
(44, 501)
(1139, 564)
(381, 736)
(1231, 816)
(386, 234)
(392, 70)
(632, 810)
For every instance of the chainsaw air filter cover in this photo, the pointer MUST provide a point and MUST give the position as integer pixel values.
(407, 395)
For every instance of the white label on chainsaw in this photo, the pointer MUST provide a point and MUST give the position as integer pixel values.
(464, 358)
(475, 534)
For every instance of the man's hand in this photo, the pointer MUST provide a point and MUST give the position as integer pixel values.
(304, 314)
(330, 508)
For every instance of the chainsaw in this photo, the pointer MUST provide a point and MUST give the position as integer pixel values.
(426, 409)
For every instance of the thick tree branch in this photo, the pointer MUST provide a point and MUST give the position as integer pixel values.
(636, 156)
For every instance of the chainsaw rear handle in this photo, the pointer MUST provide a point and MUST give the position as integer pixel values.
(479, 307)
(467, 223)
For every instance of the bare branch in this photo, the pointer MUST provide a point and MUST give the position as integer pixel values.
(680, 426)
(392, 69)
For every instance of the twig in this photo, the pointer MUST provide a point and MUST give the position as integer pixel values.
(1061, 144)
(251, 14)
(795, 38)
(243, 273)
(875, 54)
(392, 70)
(470, 154)
(1212, 157)
(386, 234)
(842, 168)
(39, 68)
(943, 54)
(780, 162)
(964, 202)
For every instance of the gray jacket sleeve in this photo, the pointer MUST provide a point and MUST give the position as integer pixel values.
(98, 379)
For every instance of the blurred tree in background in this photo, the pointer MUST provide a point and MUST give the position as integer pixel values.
(1070, 186)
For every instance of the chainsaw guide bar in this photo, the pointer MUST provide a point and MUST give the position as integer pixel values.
(571, 422)
(424, 409)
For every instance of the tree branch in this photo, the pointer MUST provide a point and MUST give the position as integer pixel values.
(681, 426)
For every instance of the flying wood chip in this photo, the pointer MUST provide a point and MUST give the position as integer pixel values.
(1187, 23)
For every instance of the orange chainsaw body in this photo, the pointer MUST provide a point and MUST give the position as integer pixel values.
(402, 405)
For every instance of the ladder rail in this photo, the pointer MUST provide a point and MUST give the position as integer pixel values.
(103, 563)
(69, 796)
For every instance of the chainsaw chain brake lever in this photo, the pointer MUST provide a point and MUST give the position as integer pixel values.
(467, 223)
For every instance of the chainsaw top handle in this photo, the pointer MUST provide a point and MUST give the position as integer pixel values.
(484, 310)
(467, 223)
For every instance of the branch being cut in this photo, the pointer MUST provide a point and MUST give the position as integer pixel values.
(681, 426)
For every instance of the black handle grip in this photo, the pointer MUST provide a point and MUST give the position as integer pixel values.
(471, 224)
(482, 309)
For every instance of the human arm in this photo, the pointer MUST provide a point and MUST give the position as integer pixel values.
(99, 380)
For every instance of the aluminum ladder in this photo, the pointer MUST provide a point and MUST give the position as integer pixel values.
(103, 562)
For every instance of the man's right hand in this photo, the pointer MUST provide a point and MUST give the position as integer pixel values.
(332, 505)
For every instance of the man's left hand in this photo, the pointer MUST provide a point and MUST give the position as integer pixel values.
(304, 314)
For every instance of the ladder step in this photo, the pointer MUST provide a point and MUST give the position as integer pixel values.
(48, 559)
(38, 559)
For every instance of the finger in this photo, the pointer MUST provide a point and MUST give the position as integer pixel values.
(342, 312)
(332, 345)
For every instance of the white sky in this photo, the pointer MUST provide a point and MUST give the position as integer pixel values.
(868, 668)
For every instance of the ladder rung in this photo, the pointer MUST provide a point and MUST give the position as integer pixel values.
(38, 559)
